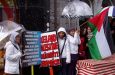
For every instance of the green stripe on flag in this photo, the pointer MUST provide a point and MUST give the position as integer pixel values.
(91, 26)
(93, 48)
(99, 11)
(92, 44)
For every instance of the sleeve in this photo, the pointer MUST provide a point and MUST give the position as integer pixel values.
(10, 55)
(68, 56)
(76, 39)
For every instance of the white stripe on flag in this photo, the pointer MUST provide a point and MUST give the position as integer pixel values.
(102, 43)
(110, 13)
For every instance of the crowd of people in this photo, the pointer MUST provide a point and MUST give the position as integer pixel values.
(72, 47)
(69, 43)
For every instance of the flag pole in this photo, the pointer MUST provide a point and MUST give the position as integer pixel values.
(78, 27)
(84, 23)
(69, 23)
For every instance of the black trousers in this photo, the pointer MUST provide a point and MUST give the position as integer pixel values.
(72, 66)
(63, 69)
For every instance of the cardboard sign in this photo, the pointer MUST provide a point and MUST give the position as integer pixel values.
(50, 52)
(31, 48)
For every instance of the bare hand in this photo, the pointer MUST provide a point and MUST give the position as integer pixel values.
(78, 31)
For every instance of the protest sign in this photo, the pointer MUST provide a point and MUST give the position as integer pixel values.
(31, 48)
(50, 52)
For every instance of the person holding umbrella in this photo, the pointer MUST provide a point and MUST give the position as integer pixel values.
(12, 55)
(74, 40)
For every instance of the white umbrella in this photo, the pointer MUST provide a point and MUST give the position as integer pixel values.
(77, 9)
(6, 28)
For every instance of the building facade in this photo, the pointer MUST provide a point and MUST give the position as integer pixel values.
(42, 15)
(57, 6)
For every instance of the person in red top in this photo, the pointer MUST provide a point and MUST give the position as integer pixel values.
(82, 46)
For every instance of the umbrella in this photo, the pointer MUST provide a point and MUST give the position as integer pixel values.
(77, 9)
(6, 28)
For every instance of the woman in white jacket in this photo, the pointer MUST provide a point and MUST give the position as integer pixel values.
(12, 55)
(64, 50)
(74, 40)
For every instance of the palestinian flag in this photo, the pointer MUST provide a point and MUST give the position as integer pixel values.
(101, 44)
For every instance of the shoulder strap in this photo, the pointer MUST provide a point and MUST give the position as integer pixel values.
(63, 47)
(15, 46)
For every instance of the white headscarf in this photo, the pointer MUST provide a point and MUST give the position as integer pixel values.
(12, 40)
(62, 29)
(13, 37)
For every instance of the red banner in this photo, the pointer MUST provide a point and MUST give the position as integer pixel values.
(50, 52)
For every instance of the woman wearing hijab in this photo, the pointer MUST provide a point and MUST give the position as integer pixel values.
(12, 55)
